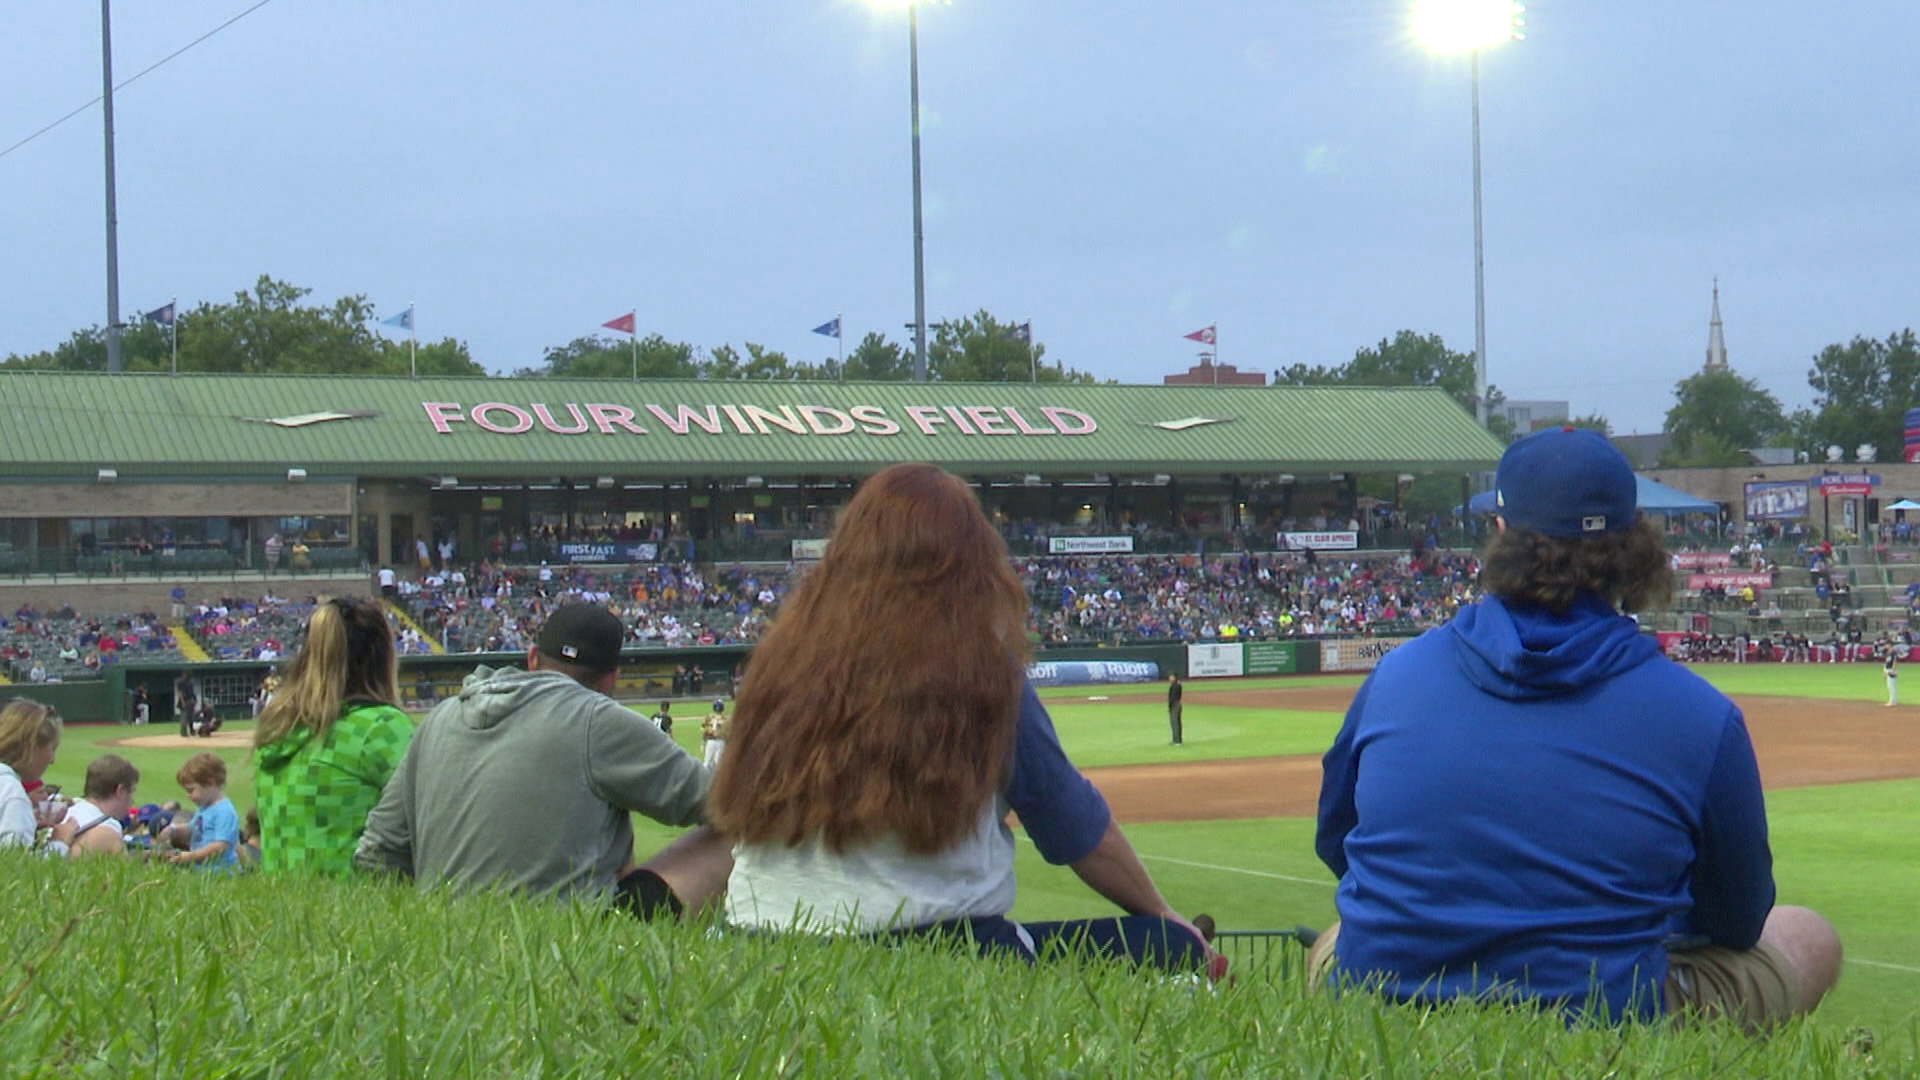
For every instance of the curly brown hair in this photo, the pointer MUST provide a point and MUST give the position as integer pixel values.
(1630, 570)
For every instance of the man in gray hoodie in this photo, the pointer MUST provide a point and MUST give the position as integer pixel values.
(525, 781)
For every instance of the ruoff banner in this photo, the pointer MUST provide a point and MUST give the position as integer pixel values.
(1356, 654)
(1215, 661)
(1092, 672)
(1089, 545)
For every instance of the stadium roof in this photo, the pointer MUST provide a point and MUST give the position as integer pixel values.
(238, 426)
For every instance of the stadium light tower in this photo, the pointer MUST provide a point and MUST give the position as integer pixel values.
(919, 232)
(1456, 26)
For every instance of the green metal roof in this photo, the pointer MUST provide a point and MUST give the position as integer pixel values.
(70, 425)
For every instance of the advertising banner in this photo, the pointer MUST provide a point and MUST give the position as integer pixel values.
(1732, 579)
(609, 553)
(1089, 545)
(1272, 657)
(1092, 672)
(1777, 499)
(1215, 661)
(1319, 541)
(1356, 654)
(1847, 483)
(1701, 560)
(809, 550)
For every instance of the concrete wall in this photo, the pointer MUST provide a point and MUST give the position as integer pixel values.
(174, 500)
(151, 594)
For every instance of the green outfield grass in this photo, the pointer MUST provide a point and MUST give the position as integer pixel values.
(1850, 851)
(129, 970)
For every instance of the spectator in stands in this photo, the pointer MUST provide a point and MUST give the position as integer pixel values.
(866, 793)
(29, 742)
(213, 841)
(271, 549)
(329, 740)
(1573, 844)
(96, 819)
(548, 742)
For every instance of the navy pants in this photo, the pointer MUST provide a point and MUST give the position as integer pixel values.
(1147, 940)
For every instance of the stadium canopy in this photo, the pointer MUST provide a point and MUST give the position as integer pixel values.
(1653, 497)
(242, 427)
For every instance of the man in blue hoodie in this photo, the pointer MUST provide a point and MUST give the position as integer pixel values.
(1533, 802)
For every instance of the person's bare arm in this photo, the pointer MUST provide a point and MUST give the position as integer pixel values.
(1113, 870)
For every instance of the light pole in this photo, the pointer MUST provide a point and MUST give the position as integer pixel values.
(919, 231)
(113, 218)
(1452, 26)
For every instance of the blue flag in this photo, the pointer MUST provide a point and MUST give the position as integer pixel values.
(404, 320)
(161, 315)
(1021, 333)
(830, 329)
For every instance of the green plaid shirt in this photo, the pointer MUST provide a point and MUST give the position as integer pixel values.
(314, 797)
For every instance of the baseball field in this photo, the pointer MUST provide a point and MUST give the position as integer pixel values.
(1225, 824)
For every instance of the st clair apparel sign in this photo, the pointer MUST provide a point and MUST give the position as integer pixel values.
(601, 418)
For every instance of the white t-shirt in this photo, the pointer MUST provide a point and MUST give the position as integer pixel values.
(386, 577)
(874, 886)
(17, 824)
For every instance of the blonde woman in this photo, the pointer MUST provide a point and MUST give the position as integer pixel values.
(329, 740)
(29, 739)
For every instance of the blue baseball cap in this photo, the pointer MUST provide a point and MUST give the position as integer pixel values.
(1566, 482)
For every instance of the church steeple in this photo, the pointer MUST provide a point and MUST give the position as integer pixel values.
(1716, 340)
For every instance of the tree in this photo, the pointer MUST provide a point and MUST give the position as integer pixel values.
(268, 331)
(1716, 416)
(1862, 391)
(879, 360)
(600, 357)
(980, 348)
(1593, 422)
(1407, 359)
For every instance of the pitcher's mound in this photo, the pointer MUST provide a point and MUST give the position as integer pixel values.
(220, 740)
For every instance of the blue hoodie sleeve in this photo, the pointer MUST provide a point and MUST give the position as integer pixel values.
(1064, 814)
(1733, 869)
(1339, 770)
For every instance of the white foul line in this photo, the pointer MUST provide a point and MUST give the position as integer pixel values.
(1323, 883)
(1882, 964)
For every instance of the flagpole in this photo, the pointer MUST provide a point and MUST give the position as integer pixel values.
(173, 333)
(840, 342)
(633, 336)
(413, 341)
(1033, 362)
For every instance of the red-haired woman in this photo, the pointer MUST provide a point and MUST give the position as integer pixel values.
(888, 729)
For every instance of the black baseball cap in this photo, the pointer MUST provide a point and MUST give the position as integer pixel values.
(584, 634)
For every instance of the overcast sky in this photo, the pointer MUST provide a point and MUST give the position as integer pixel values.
(1122, 172)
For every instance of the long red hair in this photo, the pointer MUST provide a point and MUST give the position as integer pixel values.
(884, 697)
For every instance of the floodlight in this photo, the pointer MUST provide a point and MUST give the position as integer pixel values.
(1453, 26)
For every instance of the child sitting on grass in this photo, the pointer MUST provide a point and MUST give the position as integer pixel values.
(215, 840)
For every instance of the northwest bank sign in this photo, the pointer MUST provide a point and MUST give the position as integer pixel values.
(501, 418)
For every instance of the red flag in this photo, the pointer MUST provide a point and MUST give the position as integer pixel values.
(1204, 337)
(624, 324)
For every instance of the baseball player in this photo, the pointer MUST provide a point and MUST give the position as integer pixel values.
(713, 734)
(1892, 668)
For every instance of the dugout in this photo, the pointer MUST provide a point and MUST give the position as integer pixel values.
(191, 474)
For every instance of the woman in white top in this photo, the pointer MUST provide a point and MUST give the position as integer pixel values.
(29, 739)
(887, 730)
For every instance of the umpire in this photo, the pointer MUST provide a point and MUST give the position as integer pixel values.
(1175, 691)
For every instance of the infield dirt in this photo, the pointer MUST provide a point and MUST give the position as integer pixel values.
(1801, 742)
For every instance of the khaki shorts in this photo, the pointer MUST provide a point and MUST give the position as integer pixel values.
(1756, 988)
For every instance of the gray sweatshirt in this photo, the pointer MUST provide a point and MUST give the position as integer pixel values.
(524, 782)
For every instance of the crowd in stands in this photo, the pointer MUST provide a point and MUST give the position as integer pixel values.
(60, 644)
(1193, 598)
